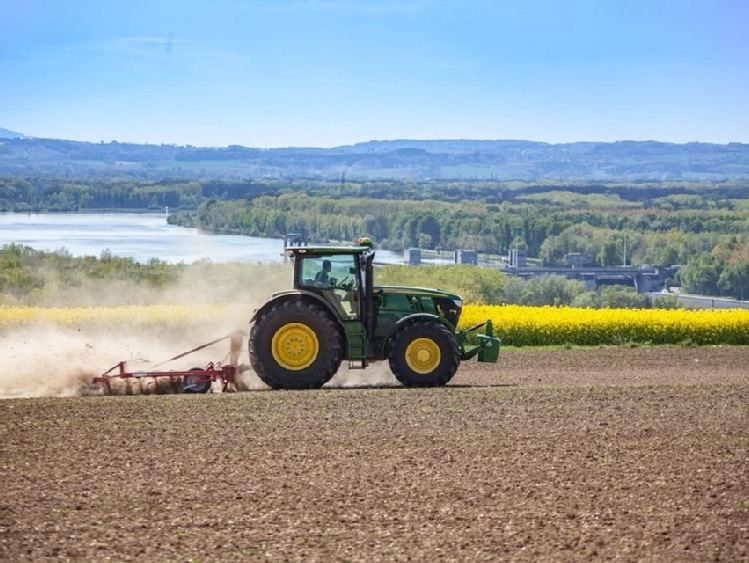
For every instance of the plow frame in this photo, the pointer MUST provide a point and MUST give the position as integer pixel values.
(194, 380)
(209, 374)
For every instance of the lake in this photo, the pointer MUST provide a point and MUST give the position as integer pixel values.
(140, 236)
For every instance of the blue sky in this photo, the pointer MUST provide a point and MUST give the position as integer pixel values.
(278, 73)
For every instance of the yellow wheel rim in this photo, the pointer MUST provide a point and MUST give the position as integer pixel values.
(295, 346)
(423, 355)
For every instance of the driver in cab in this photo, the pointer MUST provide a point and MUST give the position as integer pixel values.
(322, 278)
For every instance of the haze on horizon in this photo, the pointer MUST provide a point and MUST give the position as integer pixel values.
(323, 73)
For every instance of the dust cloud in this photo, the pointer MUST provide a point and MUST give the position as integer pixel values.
(377, 374)
(53, 361)
(61, 360)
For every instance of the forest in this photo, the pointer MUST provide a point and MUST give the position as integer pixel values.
(702, 226)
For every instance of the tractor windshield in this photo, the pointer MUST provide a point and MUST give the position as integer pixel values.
(330, 271)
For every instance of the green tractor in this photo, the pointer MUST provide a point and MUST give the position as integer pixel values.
(335, 312)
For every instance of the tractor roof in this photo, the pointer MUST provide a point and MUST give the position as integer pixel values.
(325, 250)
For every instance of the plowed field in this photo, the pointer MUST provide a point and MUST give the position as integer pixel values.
(635, 454)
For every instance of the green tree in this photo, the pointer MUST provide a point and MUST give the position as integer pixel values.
(734, 280)
(609, 254)
(551, 290)
(621, 297)
(430, 227)
(669, 256)
(701, 275)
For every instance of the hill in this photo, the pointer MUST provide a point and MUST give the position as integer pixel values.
(501, 160)
(7, 134)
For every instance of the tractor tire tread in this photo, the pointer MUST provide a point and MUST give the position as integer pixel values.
(449, 361)
(325, 364)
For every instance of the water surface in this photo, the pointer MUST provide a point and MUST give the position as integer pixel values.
(140, 236)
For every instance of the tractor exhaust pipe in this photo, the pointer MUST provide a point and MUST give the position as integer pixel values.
(370, 318)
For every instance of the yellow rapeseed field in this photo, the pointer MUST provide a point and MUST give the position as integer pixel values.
(515, 325)
(541, 326)
(169, 315)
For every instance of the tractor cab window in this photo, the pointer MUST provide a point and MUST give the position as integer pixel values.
(337, 276)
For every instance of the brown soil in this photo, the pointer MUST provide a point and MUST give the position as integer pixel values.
(613, 453)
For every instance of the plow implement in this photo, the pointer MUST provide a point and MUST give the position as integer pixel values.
(193, 380)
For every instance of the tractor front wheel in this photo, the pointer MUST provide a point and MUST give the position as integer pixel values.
(424, 354)
(295, 345)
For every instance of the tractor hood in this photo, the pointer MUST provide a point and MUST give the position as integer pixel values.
(425, 291)
(406, 301)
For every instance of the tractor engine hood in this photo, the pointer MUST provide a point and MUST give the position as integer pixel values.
(408, 300)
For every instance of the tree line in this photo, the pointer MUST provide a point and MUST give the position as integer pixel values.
(703, 227)
(712, 245)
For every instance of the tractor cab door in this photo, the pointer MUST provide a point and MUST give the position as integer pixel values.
(336, 278)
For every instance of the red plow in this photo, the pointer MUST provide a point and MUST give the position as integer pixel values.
(193, 380)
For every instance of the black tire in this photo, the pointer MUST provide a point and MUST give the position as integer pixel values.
(424, 354)
(295, 345)
(195, 383)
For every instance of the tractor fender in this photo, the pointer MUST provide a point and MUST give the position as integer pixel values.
(293, 295)
(410, 319)
(301, 295)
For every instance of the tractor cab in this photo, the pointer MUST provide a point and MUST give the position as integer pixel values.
(337, 275)
(337, 278)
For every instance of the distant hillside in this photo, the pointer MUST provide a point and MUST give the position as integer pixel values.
(501, 160)
(6, 134)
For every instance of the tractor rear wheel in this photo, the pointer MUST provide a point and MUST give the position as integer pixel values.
(295, 345)
(424, 354)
